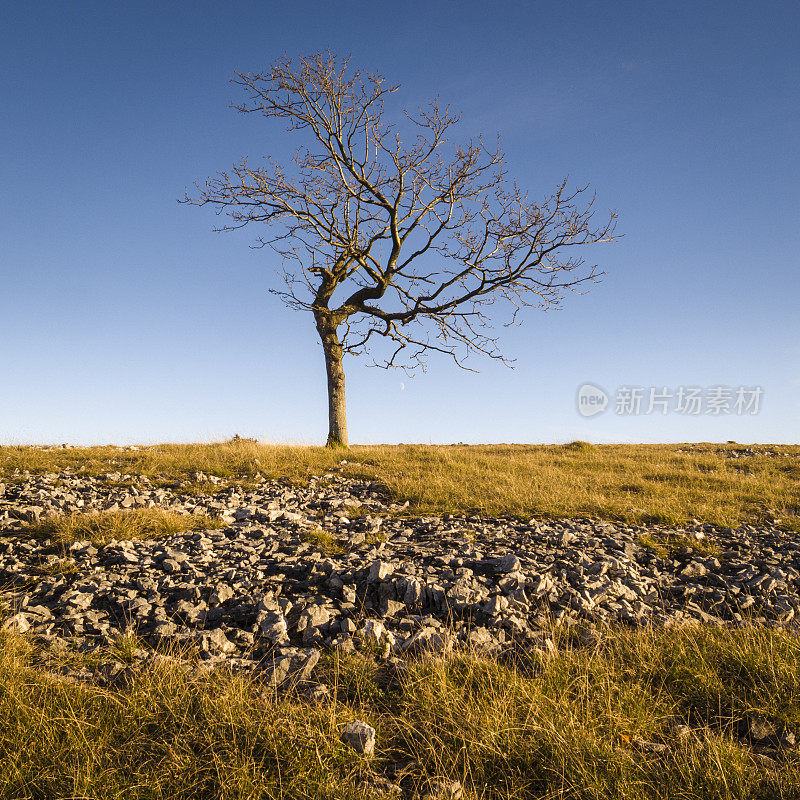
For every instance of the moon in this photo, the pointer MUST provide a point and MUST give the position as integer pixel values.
(402, 386)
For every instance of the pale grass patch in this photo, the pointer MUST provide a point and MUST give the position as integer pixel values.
(321, 540)
(64, 566)
(107, 526)
(668, 544)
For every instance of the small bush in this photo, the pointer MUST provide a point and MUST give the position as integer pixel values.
(578, 444)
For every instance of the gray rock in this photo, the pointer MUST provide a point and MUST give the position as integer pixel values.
(221, 593)
(694, 569)
(316, 693)
(508, 563)
(379, 786)
(313, 617)
(266, 586)
(760, 728)
(379, 571)
(391, 608)
(444, 789)
(214, 642)
(428, 641)
(18, 623)
(414, 594)
(289, 669)
(657, 748)
(359, 736)
(274, 628)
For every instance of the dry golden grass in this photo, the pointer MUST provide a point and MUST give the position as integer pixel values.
(143, 523)
(636, 483)
(322, 541)
(550, 727)
(667, 544)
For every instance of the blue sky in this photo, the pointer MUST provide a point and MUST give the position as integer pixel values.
(124, 318)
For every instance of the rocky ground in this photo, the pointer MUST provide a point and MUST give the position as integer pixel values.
(337, 565)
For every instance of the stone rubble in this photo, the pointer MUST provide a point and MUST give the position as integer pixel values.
(738, 451)
(336, 565)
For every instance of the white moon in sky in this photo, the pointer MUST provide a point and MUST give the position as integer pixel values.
(402, 386)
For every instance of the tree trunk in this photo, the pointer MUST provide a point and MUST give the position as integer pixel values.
(337, 413)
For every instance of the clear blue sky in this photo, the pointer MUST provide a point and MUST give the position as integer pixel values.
(124, 318)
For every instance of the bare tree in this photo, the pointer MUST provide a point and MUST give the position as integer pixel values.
(410, 242)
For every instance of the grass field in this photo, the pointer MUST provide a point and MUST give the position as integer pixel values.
(672, 484)
(562, 726)
(573, 724)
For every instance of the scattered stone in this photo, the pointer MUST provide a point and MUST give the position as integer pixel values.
(316, 692)
(359, 736)
(379, 786)
(694, 569)
(657, 748)
(214, 642)
(18, 623)
(760, 728)
(444, 789)
(379, 571)
(508, 563)
(787, 740)
(221, 594)
(289, 669)
(428, 641)
(373, 632)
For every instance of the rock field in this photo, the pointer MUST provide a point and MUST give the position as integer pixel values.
(336, 564)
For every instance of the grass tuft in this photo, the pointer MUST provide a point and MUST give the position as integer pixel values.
(99, 529)
(64, 566)
(668, 544)
(322, 540)
(125, 646)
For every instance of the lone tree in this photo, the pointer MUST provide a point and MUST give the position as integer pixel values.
(410, 240)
